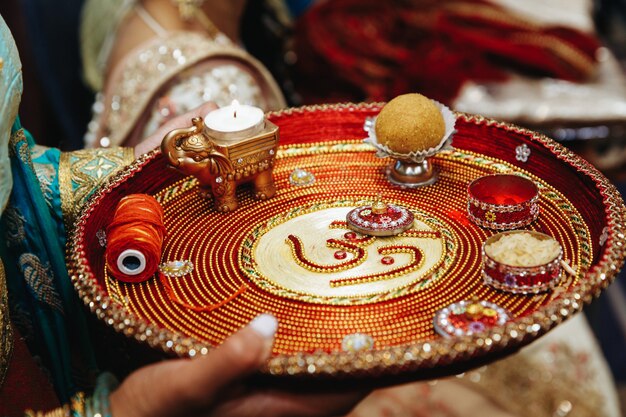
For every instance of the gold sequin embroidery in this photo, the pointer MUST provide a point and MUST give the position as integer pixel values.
(40, 279)
(45, 174)
(527, 387)
(81, 172)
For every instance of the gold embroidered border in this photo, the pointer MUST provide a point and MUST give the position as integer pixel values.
(81, 172)
(6, 333)
(18, 146)
(76, 407)
(65, 189)
(45, 175)
(13, 141)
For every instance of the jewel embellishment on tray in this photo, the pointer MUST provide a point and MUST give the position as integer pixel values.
(301, 177)
(176, 268)
(357, 342)
(604, 236)
(466, 318)
(102, 237)
(522, 152)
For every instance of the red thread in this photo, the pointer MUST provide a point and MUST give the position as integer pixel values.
(198, 309)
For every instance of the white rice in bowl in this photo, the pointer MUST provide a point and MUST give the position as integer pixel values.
(523, 249)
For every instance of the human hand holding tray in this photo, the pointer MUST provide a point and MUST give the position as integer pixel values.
(375, 318)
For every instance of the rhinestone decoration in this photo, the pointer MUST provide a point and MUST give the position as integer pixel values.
(466, 318)
(102, 237)
(604, 236)
(300, 177)
(522, 152)
(386, 220)
(176, 268)
(357, 342)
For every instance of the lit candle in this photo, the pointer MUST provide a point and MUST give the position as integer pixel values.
(236, 121)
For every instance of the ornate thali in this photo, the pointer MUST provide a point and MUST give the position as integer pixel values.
(330, 287)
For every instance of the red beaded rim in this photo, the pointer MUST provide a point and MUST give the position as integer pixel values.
(596, 199)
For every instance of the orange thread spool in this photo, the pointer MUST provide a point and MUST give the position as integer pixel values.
(134, 243)
(135, 238)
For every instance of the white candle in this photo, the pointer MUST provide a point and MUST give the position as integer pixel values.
(236, 121)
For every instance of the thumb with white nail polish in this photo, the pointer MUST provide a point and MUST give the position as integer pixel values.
(266, 326)
(197, 382)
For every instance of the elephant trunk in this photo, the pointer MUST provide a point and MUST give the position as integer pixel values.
(171, 144)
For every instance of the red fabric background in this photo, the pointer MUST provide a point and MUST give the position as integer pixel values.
(25, 385)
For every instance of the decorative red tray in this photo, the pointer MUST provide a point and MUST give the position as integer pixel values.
(392, 305)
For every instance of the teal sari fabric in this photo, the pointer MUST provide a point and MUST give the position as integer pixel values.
(41, 190)
(43, 302)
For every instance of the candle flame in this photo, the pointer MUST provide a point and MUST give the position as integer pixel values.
(235, 106)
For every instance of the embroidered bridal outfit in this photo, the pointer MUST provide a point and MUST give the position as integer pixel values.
(166, 75)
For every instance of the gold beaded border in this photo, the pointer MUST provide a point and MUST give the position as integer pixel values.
(248, 247)
(179, 187)
(421, 355)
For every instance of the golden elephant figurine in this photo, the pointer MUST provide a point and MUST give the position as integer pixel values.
(220, 165)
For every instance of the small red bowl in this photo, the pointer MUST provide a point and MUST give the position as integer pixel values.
(521, 279)
(502, 201)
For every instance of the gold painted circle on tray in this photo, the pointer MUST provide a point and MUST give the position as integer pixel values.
(274, 264)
